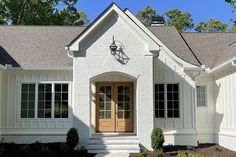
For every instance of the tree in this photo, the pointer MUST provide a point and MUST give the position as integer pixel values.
(232, 3)
(181, 21)
(39, 12)
(211, 25)
(145, 15)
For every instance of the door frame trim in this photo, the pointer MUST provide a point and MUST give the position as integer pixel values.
(113, 83)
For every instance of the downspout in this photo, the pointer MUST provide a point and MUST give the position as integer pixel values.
(203, 68)
(233, 63)
(69, 52)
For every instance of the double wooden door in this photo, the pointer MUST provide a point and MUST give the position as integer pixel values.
(114, 107)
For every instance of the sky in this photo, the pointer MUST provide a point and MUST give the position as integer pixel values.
(199, 9)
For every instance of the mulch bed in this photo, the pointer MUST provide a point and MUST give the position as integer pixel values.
(40, 150)
(208, 150)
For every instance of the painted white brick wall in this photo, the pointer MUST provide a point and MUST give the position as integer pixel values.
(95, 58)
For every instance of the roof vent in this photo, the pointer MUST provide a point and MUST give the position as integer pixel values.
(157, 21)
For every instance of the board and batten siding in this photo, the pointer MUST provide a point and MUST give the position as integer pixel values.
(225, 89)
(23, 130)
(182, 130)
(205, 115)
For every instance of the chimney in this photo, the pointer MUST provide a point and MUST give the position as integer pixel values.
(157, 21)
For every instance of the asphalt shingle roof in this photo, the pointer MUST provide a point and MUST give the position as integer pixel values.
(212, 49)
(36, 46)
(174, 41)
(43, 46)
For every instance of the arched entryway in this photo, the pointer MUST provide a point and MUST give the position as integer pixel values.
(113, 103)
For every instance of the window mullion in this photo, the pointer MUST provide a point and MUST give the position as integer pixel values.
(53, 100)
(165, 100)
(36, 101)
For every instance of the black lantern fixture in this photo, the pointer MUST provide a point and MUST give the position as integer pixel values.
(113, 47)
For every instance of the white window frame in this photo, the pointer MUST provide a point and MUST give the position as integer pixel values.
(36, 98)
(206, 95)
(165, 101)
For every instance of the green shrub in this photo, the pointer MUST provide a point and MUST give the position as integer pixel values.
(159, 152)
(184, 154)
(157, 138)
(72, 138)
(217, 147)
(143, 152)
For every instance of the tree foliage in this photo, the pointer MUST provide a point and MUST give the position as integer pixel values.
(181, 21)
(211, 25)
(232, 3)
(145, 15)
(174, 17)
(40, 12)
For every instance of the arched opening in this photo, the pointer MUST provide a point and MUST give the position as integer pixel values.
(113, 103)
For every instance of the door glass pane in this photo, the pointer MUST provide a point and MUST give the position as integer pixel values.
(120, 106)
(101, 106)
(108, 106)
(127, 114)
(108, 114)
(124, 102)
(104, 99)
(127, 106)
(120, 114)
(101, 114)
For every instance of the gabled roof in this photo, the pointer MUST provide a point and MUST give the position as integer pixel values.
(36, 46)
(111, 9)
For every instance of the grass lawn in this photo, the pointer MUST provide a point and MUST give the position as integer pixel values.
(203, 150)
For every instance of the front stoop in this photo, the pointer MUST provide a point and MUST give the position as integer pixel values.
(112, 155)
(102, 144)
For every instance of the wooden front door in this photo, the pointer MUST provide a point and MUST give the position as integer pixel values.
(114, 107)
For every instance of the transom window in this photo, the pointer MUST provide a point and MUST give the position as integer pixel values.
(201, 96)
(167, 101)
(51, 100)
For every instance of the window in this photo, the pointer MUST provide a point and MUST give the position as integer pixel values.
(159, 101)
(172, 100)
(61, 101)
(201, 96)
(44, 100)
(27, 100)
(167, 100)
(51, 101)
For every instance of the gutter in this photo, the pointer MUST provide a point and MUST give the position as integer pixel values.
(231, 62)
(200, 70)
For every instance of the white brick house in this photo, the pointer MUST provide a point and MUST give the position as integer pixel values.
(183, 83)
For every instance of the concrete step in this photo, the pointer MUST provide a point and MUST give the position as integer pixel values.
(113, 144)
(113, 147)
